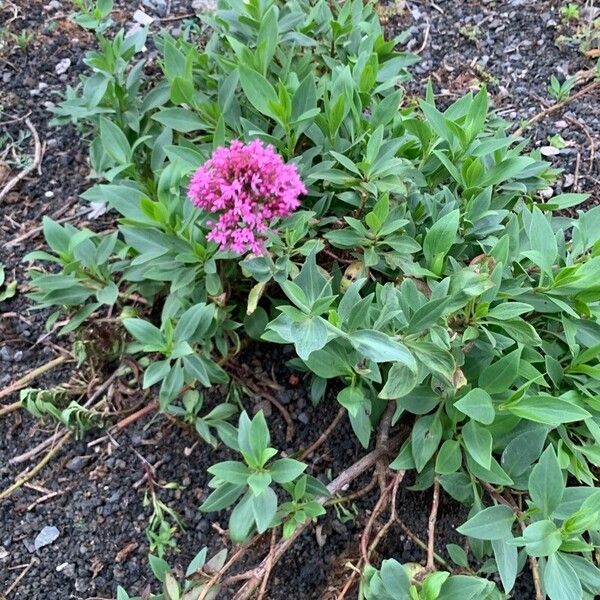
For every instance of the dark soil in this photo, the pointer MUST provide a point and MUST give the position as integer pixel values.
(510, 45)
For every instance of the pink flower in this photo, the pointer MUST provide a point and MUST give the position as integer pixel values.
(247, 185)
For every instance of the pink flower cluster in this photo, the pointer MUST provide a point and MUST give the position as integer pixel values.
(247, 185)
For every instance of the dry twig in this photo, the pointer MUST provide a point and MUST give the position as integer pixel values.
(323, 437)
(27, 379)
(430, 565)
(37, 158)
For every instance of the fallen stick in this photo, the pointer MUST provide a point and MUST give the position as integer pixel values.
(430, 565)
(26, 379)
(37, 158)
(35, 470)
(323, 437)
(551, 109)
(339, 483)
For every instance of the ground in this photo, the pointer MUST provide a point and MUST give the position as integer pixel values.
(92, 490)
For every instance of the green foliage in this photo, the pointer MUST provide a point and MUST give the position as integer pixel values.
(561, 91)
(192, 585)
(93, 15)
(52, 404)
(422, 269)
(394, 581)
(250, 483)
(7, 290)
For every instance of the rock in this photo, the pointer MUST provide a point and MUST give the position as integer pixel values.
(5, 354)
(18, 357)
(46, 536)
(3, 553)
(139, 16)
(549, 151)
(62, 66)
(77, 463)
(569, 180)
(157, 6)
(546, 193)
(67, 569)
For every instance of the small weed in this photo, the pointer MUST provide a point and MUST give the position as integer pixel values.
(23, 39)
(570, 12)
(560, 91)
(557, 141)
(471, 33)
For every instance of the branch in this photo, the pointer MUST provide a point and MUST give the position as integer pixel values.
(339, 483)
(37, 159)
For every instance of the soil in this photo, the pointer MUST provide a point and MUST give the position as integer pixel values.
(91, 491)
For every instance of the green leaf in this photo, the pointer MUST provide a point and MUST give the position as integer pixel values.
(264, 507)
(507, 558)
(190, 320)
(477, 404)
(400, 381)
(478, 442)
(493, 523)
(542, 240)
(309, 335)
(179, 119)
(144, 332)
(114, 141)
(560, 579)
(352, 399)
(285, 470)
(156, 372)
(427, 315)
(546, 484)
(548, 410)
(159, 567)
(542, 538)
(500, 375)
(230, 471)
(439, 239)
(449, 458)
(509, 310)
(225, 495)
(259, 481)
(260, 93)
(380, 347)
(425, 437)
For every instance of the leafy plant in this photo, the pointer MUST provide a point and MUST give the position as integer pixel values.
(44, 404)
(93, 15)
(570, 12)
(7, 290)
(251, 481)
(422, 269)
(394, 581)
(197, 575)
(561, 91)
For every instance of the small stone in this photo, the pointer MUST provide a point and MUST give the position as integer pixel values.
(67, 569)
(62, 66)
(546, 193)
(18, 357)
(77, 463)
(3, 553)
(49, 194)
(139, 16)
(303, 418)
(5, 354)
(561, 124)
(549, 151)
(569, 180)
(46, 536)
(157, 6)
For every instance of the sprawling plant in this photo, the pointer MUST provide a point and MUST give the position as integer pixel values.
(402, 249)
